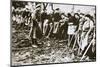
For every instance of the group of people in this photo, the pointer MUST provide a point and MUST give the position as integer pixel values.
(55, 25)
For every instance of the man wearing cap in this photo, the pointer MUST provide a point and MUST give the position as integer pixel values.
(35, 26)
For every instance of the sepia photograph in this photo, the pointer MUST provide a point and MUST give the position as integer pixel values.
(52, 33)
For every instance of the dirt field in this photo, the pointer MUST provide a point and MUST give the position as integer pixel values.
(51, 51)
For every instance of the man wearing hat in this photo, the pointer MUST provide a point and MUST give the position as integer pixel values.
(35, 19)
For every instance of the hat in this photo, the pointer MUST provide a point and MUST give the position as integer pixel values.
(57, 9)
(38, 5)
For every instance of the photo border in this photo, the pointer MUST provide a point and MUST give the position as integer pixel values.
(49, 63)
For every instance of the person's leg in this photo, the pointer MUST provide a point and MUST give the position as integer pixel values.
(56, 30)
(34, 39)
(42, 25)
(50, 28)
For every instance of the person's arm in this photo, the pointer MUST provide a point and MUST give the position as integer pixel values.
(30, 31)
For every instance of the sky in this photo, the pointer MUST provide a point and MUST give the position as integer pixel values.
(66, 8)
